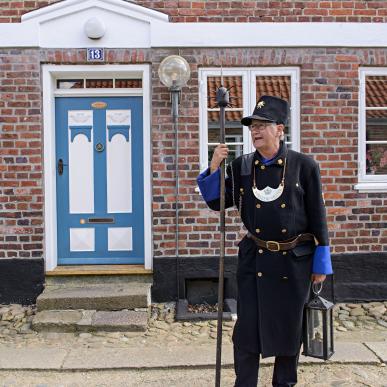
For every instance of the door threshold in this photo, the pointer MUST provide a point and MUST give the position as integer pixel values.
(99, 270)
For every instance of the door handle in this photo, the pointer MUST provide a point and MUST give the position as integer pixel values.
(60, 166)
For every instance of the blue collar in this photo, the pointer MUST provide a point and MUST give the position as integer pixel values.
(268, 161)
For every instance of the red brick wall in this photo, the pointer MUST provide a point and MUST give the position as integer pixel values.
(21, 144)
(238, 11)
(329, 131)
(11, 11)
(271, 11)
(329, 116)
(21, 173)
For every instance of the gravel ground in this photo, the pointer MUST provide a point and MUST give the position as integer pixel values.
(317, 376)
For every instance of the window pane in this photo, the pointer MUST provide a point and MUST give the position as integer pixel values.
(69, 84)
(376, 91)
(234, 152)
(233, 126)
(99, 83)
(277, 86)
(128, 83)
(376, 125)
(376, 160)
(288, 131)
(210, 152)
(234, 84)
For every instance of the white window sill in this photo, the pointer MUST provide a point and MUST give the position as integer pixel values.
(371, 187)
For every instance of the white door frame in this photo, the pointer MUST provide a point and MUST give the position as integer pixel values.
(50, 73)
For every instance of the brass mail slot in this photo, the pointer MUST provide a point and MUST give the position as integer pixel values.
(100, 220)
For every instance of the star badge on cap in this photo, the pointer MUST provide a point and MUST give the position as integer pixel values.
(260, 104)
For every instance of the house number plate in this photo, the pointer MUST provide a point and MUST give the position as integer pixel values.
(95, 54)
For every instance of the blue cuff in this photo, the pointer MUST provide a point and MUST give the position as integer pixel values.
(209, 184)
(322, 261)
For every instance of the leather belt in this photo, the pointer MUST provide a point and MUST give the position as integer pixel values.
(283, 245)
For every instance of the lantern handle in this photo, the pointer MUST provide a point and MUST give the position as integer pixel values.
(315, 288)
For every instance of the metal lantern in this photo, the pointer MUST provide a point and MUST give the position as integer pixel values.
(318, 327)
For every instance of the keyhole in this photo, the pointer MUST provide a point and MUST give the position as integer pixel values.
(99, 147)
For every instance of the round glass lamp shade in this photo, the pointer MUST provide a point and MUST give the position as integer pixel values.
(174, 71)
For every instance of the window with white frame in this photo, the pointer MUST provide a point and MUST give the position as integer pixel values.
(373, 129)
(246, 85)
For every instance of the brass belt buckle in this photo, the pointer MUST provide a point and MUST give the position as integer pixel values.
(275, 248)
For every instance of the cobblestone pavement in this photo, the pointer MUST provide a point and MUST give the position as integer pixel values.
(15, 331)
(353, 322)
(317, 376)
(356, 317)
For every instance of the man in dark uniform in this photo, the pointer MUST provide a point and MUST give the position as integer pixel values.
(279, 197)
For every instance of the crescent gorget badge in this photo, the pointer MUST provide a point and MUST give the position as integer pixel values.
(268, 194)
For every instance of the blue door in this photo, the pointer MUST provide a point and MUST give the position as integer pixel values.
(99, 180)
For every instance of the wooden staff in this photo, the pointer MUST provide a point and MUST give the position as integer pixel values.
(223, 100)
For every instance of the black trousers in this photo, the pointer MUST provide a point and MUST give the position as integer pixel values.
(246, 366)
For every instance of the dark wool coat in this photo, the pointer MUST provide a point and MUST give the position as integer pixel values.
(274, 286)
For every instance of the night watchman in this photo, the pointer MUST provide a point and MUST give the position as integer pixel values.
(279, 197)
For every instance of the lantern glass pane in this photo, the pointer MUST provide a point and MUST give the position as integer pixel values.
(315, 332)
(329, 331)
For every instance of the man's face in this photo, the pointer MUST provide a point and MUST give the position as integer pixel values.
(264, 134)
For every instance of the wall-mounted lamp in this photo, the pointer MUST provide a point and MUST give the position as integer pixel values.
(95, 28)
(174, 72)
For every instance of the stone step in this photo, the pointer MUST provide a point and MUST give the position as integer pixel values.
(106, 296)
(90, 321)
(63, 278)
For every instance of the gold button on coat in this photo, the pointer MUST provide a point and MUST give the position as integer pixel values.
(283, 205)
(256, 162)
(260, 251)
(280, 161)
(284, 230)
(284, 253)
(258, 205)
(257, 230)
(259, 274)
(263, 167)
